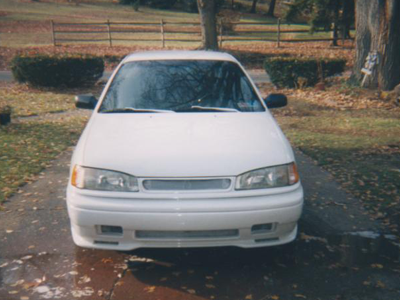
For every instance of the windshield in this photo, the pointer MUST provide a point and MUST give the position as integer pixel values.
(181, 86)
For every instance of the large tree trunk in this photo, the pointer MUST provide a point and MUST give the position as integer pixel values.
(253, 7)
(378, 30)
(271, 8)
(208, 24)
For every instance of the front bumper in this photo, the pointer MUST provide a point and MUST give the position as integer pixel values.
(184, 221)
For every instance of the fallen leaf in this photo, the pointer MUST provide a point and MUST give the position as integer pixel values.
(19, 282)
(84, 279)
(377, 266)
(149, 289)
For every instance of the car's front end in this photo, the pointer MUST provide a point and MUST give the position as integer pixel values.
(197, 176)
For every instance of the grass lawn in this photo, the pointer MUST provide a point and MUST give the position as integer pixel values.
(35, 102)
(360, 147)
(26, 148)
(27, 101)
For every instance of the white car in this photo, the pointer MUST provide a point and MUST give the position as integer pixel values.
(181, 151)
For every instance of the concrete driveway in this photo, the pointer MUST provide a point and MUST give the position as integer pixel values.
(338, 254)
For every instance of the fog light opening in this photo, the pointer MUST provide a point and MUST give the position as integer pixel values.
(106, 243)
(266, 240)
(261, 228)
(111, 230)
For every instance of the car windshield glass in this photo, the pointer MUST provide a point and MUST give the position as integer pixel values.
(181, 86)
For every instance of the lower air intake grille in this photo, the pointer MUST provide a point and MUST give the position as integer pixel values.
(209, 234)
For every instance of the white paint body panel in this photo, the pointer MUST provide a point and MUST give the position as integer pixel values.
(183, 145)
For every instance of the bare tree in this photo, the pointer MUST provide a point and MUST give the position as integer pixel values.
(271, 8)
(254, 7)
(207, 11)
(378, 38)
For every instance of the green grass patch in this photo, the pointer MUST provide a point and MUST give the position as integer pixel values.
(28, 102)
(361, 148)
(27, 148)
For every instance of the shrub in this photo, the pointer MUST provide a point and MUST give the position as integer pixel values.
(57, 71)
(294, 71)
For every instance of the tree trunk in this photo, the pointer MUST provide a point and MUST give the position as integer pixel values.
(335, 24)
(208, 24)
(271, 8)
(253, 7)
(378, 30)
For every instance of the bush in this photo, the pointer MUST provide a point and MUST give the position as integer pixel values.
(294, 71)
(57, 71)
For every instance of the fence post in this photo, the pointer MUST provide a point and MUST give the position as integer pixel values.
(279, 33)
(162, 33)
(53, 35)
(220, 33)
(109, 33)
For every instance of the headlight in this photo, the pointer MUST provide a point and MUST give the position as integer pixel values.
(103, 180)
(277, 176)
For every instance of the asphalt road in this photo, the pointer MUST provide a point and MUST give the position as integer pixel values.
(336, 255)
(259, 76)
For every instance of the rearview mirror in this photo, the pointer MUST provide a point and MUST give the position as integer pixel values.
(87, 101)
(275, 100)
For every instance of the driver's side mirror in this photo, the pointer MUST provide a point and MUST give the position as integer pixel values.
(276, 100)
(87, 101)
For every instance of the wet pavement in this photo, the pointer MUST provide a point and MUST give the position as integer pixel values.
(339, 254)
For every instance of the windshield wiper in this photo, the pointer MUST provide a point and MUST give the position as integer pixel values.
(214, 108)
(136, 110)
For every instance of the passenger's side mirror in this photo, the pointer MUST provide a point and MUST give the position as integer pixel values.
(87, 101)
(275, 100)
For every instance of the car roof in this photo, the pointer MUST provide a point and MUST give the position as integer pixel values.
(179, 55)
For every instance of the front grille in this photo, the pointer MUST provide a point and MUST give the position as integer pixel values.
(186, 184)
(209, 234)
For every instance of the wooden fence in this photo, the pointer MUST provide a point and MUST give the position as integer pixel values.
(165, 31)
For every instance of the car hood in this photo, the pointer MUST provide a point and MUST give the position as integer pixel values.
(184, 144)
